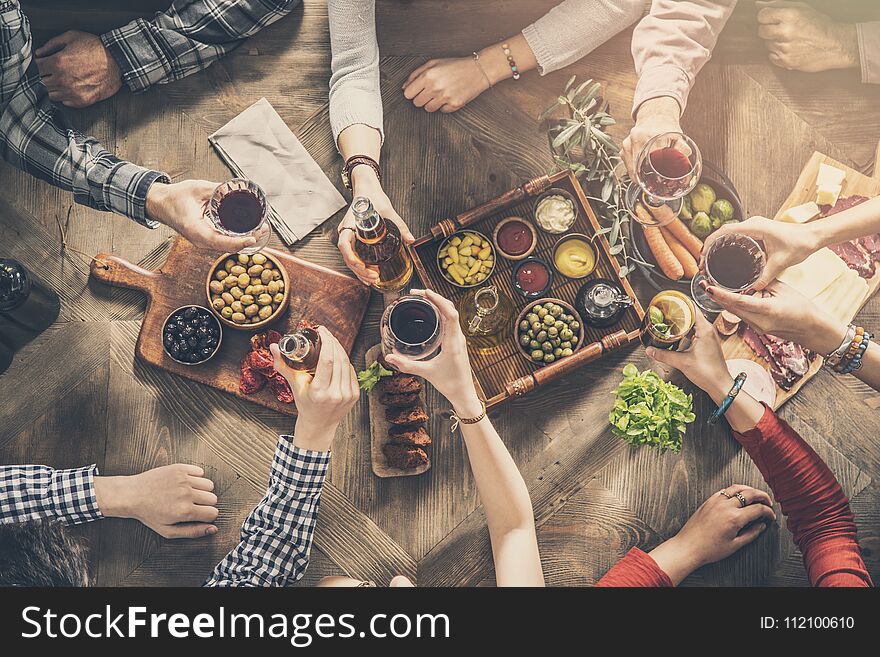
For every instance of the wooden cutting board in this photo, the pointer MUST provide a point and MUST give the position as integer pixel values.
(855, 184)
(316, 293)
(379, 430)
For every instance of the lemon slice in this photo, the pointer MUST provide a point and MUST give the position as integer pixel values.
(679, 315)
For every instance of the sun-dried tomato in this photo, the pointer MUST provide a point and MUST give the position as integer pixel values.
(251, 380)
(258, 341)
(262, 361)
(278, 384)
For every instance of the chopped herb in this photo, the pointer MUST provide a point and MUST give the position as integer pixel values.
(650, 411)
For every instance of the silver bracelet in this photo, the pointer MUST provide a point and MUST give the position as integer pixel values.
(834, 357)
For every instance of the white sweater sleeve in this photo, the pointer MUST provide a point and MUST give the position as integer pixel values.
(574, 28)
(354, 85)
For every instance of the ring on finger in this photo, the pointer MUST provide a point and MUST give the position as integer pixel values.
(726, 494)
(742, 499)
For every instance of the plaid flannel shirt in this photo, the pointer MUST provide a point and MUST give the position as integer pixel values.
(189, 36)
(31, 492)
(36, 137)
(277, 535)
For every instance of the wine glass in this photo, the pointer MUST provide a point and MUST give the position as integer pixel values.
(238, 208)
(667, 169)
(411, 327)
(733, 262)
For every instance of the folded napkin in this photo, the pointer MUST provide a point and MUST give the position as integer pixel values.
(259, 146)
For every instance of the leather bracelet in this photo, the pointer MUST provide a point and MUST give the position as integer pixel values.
(728, 399)
(468, 420)
(354, 161)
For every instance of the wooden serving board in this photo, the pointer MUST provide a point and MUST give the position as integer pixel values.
(804, 191)
(318, 294)
(504, 372)
(379, 430)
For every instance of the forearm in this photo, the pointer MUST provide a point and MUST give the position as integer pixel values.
(505, 500)
(869, 372)
(672, 43)
(494, 61)
(355, 95)
(860, 220)
(276, 538)
(32, 492)
(574, 28)
(638, 569)
(187, 37)
(868, 36)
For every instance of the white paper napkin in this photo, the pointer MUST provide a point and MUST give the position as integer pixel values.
(258, 145)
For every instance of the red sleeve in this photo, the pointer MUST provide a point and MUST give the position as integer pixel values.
(818, 512)
(636, 569)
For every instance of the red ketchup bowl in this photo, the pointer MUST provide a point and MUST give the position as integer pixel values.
(532, 277)
(515, 238)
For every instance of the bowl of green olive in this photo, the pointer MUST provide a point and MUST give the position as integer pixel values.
(247, 292)
(548, 330)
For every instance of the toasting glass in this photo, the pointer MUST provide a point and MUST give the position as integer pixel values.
(411, 327)
(733, 262)
(667, 169)
(238, 208)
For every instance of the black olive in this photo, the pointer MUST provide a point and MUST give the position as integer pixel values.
(206, 352)
(190, 312)
(188, 331)
(202, 331)
(213, 342)
(183, 346)
(169, 340)
(175, 350)
(192, 341)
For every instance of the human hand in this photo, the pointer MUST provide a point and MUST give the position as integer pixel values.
(720, 527)
(175, 501)
(654, 117)
(445, 84)
(786, 313)
(800, 38)
(784, 244)
(323, 400)
(77, 69)
(182, 206)
(372, 189)
(450, 370)
(702, 363)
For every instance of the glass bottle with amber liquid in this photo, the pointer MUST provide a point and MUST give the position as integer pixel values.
(301, 349)
(379, 245)
(485, 315)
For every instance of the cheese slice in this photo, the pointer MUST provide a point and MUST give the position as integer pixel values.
(829, 176)
(828, 195)
(812, 276)
(801, 214)
(844, 297)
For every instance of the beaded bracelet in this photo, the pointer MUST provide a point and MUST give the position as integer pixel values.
(728, 399)
(851, 351)
(513, 67)
(855, 362)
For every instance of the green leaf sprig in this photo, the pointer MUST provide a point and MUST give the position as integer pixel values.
(368, 378)
(650, 411)
(579, 143)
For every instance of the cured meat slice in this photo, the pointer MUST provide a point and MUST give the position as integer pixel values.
(855, 257)
(871, 244)
(788, 361)
(844, 203)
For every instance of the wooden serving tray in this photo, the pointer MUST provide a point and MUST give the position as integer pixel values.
(318, 294)
(379, 430)
(504, 373)
(804, 191)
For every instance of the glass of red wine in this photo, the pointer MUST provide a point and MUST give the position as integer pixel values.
(733, 262)
(411, 327)
(238, 208)
(667, 169)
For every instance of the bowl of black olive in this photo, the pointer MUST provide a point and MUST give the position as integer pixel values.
(191, 335)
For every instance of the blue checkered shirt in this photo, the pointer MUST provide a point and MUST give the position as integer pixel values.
(36, 137)
(187, 37)
(277, 536)
(31, 492)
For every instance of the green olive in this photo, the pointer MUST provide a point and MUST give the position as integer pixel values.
(547, 347)
(541, 312)
(532, 317)
(556, 311)
(574, 339)
(230, 282)
(236, 292)
(276, 275)
(537, 355)
(255, 270)
(567, 352)
(266, 312)
(566, 334)
(246, 299)
(264, 299)
(238, 318)
(237, 270)
(272, 287)
(237, 307)
(541, 336)
(575, 326)
(549, 320)
(227, 297)
(243, 258)
(257, 290)
(560, 326)
(537, 326)
(549, 358)
(229, 264)
(524, 339)
(267, 276)
(220, 274)
(524, 325)
(258, 259)
(278, 298)
(565, 345)
(557, 352)
(552, 331)
(226, 312)
(251, 310)
(243, 281)
(268, 264)
(534, 344)
(216, 287)
(218, 303)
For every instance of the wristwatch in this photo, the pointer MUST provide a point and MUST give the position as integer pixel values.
(354, 161)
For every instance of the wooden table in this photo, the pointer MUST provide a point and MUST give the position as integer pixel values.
(77, 396)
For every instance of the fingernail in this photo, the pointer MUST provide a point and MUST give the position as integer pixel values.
(211, 530)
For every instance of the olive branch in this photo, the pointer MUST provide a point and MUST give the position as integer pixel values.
(579, 143)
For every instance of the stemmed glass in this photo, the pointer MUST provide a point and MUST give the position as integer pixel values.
(411, 327)
(733, 262)
(238, 208)
(667, 169)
